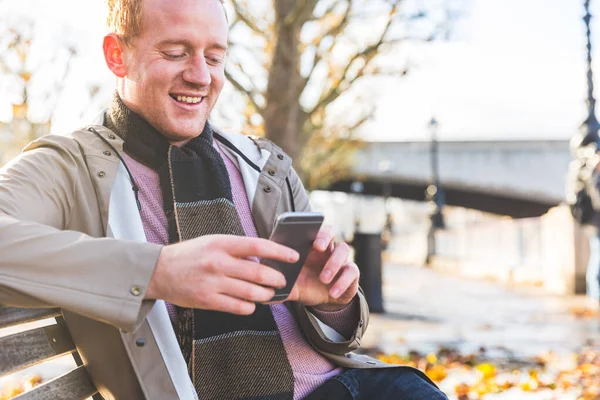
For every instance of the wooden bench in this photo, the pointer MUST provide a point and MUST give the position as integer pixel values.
(24, 349)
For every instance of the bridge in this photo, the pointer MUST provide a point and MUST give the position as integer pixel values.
(514, 178)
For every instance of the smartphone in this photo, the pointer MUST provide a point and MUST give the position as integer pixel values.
(298, 231)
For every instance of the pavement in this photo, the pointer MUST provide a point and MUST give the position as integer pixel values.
(426, 310)
(507, 327)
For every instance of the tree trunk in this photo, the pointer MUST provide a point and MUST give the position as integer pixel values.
(283, 114)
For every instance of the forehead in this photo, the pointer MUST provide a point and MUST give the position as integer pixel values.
(190, 20)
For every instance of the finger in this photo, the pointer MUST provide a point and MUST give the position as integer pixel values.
(345, 280)
(233, 305)
(338, 258)
(246, 291)
(253, 272)
(242, 246)
(324, 239)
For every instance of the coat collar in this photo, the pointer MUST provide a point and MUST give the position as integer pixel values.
(252, 150)
(263, 165)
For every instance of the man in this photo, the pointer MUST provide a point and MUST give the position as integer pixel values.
(146, 229)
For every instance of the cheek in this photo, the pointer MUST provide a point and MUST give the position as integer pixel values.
(159, 74)
(218, 79)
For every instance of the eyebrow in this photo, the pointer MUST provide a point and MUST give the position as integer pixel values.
(187, 43)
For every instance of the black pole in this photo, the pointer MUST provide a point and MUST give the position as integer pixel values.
(435, 167)
(434, 194)
(367, 255)
(589, 127)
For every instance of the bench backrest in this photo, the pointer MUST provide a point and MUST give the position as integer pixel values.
(34, 346)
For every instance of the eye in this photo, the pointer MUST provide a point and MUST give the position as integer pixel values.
(174, 56)
(214, 61)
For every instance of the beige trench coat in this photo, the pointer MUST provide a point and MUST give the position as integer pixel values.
(59, 249)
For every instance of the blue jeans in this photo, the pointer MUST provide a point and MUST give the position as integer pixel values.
(379, 384)
(592, 276)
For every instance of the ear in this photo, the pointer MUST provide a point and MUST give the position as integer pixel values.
(113, 54)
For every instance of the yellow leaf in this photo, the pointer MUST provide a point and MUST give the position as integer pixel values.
(26, 76)
(437, 373)
(488, 370)
(431, 358)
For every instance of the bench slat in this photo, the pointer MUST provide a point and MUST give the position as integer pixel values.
(10, 316)
(74, 385)
(25, 349)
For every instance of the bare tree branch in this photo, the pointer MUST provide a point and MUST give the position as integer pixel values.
(328, 10)
(240, 45)
(331, 154)
(254, 87)
(339, 27)
(368, 54)
(334, 31)
(392, 73)
(59, 85)
(301, 12)
(361, 121)
(243, 15)
(247, 93)
(308, 132)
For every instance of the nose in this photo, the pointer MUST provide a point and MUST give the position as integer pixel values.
(197, 72)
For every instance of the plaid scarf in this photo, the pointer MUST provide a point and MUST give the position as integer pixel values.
(228, 356)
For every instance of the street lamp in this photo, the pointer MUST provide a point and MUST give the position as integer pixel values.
(434, 194)
(357, 188)
(385, 167)
(588, 130)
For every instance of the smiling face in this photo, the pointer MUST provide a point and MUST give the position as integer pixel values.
(173, 71)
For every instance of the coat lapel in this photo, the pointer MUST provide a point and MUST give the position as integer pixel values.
(264, 168)
(124, 222)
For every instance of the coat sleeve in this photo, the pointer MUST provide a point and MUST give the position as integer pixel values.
(44, 192)
(311, 327)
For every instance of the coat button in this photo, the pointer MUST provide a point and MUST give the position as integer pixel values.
(101, 174)
(141, 342)
(107, 153)
(135, 291)
(280, 156)
(111, 137)
(267, 189)
(272, 172)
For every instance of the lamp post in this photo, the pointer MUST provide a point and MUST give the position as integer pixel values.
(385, 167)
(434, 194)
(588, 130)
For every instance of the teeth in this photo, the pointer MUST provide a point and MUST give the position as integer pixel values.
(189, 100)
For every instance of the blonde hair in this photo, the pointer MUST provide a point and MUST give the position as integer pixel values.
(125, 18)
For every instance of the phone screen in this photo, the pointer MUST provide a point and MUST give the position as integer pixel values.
(296, 230)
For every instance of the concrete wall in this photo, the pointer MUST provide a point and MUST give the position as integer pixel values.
(549, 252)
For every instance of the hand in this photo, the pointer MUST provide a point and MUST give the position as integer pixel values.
(327, 279)
(212, 273)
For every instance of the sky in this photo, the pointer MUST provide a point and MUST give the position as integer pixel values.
(515, 69)
(512, 69)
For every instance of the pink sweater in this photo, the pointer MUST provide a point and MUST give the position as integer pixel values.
(310, 369)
